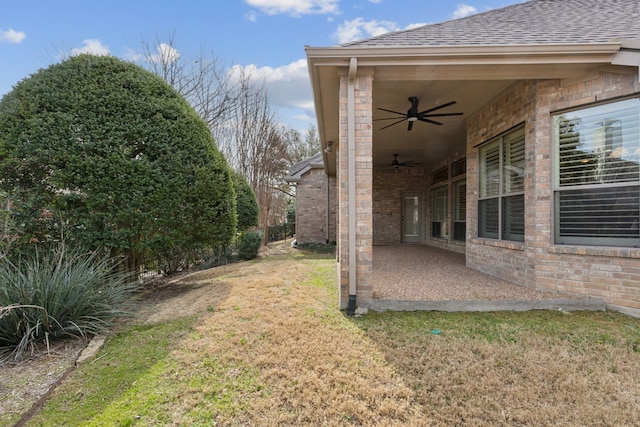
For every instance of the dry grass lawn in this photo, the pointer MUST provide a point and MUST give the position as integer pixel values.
(264, 345)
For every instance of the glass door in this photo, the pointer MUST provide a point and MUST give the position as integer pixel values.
(411, 218)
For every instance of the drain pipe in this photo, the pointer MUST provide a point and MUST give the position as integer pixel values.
(328, 207)
(351, 166)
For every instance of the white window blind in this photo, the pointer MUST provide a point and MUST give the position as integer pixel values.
(597, 175)
(502, 179)
(460, 210)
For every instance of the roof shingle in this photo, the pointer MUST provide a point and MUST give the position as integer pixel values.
(531, 22)
(296, 169)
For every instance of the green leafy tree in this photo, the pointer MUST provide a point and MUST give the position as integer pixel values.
(113, 157)
(246, 203)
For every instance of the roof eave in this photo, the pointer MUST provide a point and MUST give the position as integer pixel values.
(297, 177)
(487, 54)
(467, 57)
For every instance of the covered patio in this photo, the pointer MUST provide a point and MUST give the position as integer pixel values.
(422, 277)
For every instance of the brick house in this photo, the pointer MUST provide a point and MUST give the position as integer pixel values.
(537, 181)
(316, 201)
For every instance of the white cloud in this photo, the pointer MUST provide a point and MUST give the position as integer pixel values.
(166, 54)
(12, 36)
(289, 86)
(416, 25)
(295, 7)
(463, 10)
(91, 46)
(132, 55)
(252, 16)
(360, 29)
(303, 117)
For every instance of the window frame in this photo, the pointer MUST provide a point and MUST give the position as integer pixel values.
(439, 223)
(459, 210)
(444, 227)
(496, 197)
(587, 184)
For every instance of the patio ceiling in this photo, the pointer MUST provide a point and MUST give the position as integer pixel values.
(427, 143)
(470, 75)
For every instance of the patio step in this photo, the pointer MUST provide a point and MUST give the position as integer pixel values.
(488, 305)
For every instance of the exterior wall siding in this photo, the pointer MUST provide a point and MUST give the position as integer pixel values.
(611, 274)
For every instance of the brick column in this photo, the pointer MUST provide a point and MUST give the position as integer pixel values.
(364, 184)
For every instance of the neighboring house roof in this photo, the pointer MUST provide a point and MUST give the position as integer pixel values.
(532, 22)
(297, 170)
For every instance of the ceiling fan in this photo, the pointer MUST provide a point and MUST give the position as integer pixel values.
(413, 114)
(397, 164)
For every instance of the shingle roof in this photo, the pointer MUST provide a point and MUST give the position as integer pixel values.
(531, 22)
(299, 168)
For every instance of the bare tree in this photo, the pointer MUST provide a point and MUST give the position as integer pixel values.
(300, 149)
(255, 146)
(204, 82)
(236, 107)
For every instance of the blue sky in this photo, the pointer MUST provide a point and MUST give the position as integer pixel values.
(265, 36)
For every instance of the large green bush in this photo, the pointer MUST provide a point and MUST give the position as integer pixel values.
(58, 294)
(110, 156)
(246, 203)
(249, 245)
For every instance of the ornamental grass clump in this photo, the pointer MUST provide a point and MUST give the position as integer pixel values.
(58, 294)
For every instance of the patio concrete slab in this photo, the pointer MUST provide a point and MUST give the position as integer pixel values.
(420, 277)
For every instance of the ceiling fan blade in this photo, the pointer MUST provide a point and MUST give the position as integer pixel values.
(410, 124)
(394, 123)
(386, 118)
(406, 164)
(437, 108)
(433, 122)
(440, 115)
(413, 111)
(391, 111)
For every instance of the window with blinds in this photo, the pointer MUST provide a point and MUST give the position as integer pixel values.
(501, 199)
(597, 175)
(460, 210)
(440, 209)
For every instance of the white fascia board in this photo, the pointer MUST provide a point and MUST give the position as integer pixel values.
(477, 54)
(629, 54)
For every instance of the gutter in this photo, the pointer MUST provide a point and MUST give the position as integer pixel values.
(351, 167)
(461, 54)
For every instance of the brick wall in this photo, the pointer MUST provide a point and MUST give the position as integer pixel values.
(363, 193)
(612, 274)
(316, 207)
(506, 260)
(388, 186)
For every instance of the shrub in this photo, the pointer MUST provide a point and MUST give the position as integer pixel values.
(222, 255)
(119, 155)
(246, 203)
(59, 294)
(249, 245)
(318, 248)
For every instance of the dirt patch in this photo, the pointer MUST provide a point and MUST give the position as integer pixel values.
(24, 383)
